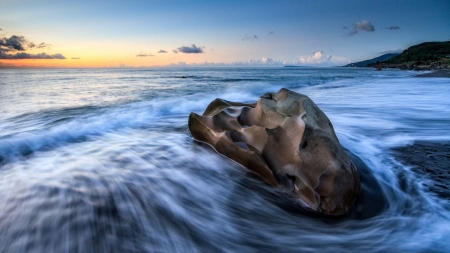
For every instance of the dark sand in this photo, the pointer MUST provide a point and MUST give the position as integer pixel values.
(429, 160)
(437, 73)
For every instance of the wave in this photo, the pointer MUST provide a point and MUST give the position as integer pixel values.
(54, 128)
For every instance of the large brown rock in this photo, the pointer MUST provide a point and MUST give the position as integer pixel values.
(286, 140)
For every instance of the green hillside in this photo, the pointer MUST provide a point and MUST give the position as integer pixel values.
(384, 57)
(428, 51)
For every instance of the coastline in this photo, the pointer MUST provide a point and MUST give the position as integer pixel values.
(436, 73)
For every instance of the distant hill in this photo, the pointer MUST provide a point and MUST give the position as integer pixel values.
(382, 58)
(428, 51)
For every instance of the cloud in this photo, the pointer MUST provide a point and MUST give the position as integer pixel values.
(75, 58)
(180, 63)
(317, 58)
(270, 33)
(352, 32)
(364, 26)
(175, 51)
(392, 28)
(43, 45)
(250, 37)
(344, 27)
(190, 50)
(13, 43)
(24, 55)
(143, 55)
(361, 26)
(20, 43)
(265, 61)
(162, 51)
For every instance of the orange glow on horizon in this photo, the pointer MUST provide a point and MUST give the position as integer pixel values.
(80, 62)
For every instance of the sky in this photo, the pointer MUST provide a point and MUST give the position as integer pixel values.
(111, 33)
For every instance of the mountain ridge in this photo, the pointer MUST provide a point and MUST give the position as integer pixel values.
(380, 58)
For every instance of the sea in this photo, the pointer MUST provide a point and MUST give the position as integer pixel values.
(101, 160)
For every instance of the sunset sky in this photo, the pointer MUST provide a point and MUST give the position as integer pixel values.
(148, 33)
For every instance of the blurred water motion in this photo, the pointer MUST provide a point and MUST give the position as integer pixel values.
(102, 161)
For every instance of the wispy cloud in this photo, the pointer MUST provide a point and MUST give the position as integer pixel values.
(352, 32)
(175, 51)
(392, 28)
(143, 55)
(360, 26)
(162, 51)
(271, 33)
(41, 45)
(24, 55)
(75, 58)
(190, 50)
(250, 37)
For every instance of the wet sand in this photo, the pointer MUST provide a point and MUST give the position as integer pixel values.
(429, 160)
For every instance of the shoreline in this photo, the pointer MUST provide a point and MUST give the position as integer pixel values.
(436, 73)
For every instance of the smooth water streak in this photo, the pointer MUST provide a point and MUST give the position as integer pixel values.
(102, 161)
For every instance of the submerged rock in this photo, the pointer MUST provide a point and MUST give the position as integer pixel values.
(286, 140)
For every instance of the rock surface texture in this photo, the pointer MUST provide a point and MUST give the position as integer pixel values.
(286, 140)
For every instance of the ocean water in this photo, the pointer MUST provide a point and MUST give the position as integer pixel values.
(101, 160)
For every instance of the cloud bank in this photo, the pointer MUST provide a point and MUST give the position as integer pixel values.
(24, 55)
(265, 61)
(14, 47)
(317, 58)
(190, 50)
